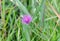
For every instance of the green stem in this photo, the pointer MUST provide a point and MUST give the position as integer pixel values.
(21, 6)
(42, 13)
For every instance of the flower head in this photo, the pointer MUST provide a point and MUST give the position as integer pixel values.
(26, 19)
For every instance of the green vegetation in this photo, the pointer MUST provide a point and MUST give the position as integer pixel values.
(45, 25)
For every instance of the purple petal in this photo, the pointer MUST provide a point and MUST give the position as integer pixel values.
(26, 19)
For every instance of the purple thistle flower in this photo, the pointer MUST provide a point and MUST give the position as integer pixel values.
(26, 19)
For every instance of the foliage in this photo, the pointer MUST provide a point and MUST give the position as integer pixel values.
(45, 24)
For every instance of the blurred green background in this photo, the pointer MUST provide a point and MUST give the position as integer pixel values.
(45, 24)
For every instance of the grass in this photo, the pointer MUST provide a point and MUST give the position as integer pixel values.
(45, 24)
